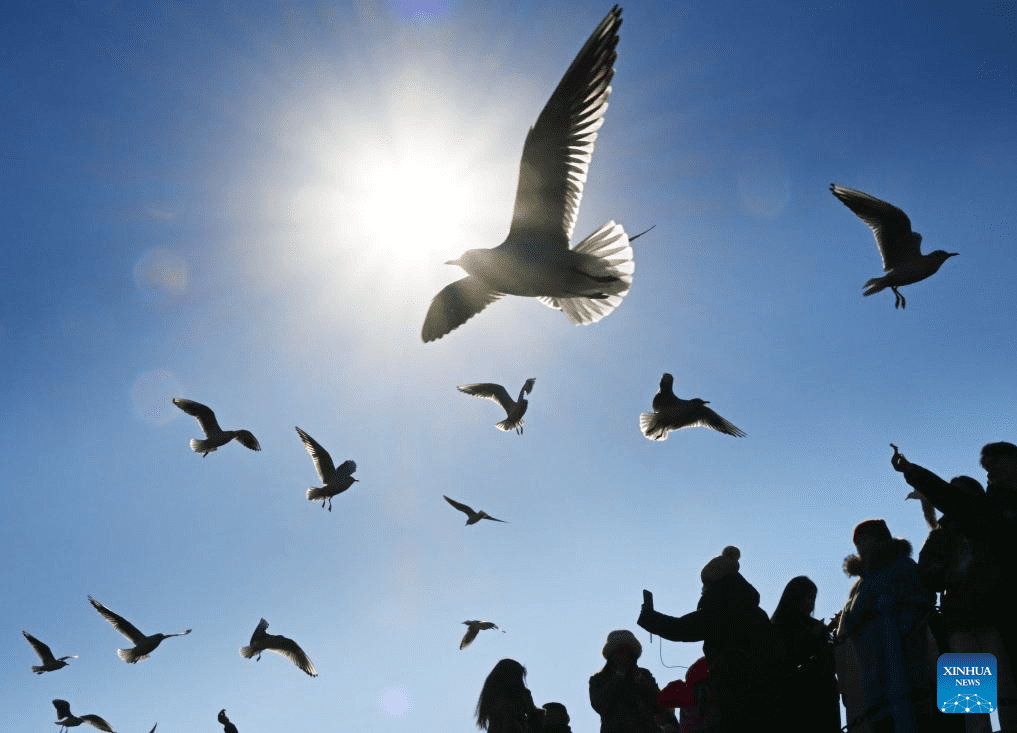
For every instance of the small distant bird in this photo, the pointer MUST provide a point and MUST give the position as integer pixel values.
(49, 662)
(588, 281)
(472, 517)
(900, 248)
(475, 627)
(215, 436)
(671, 413)
(143, 645)
(67, 719)
(264, 642)
(227, 726)
(514, 409)
(336, 480)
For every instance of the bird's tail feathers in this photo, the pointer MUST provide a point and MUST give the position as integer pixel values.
(202, 446)
(318, 492)
(130, 655)
(247, 652)
(508, 425)
(37, 669)
(651, 427)
(610, 252)
(874, 286)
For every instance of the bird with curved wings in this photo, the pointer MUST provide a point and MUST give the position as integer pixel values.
(215, 437)
(66, 719)
(672, 413)
(261, 641)
(144, 644)
(49, 662)
(227, 725)
(587, 281)
(899, 246)
(514, 409)
(472, 516)
(474, 628)
(335, 479)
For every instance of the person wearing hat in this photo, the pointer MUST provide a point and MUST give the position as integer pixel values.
(884, 632)
(738, 641)
(623, 694)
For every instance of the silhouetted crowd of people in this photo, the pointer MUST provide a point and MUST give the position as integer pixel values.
(878, 654)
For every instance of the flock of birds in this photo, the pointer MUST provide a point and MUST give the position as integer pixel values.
(587, 282)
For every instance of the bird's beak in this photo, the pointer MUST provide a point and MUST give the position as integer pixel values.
(952, 254)
(451, 262)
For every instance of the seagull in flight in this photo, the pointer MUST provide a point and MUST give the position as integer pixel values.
(227, 725)
(475, 627)
(265, 642)
(514, 409)
(67, 719)
(671, 413)
(899, 246)
(214, 435)
(143, 645)
(49, 662)
(588, 281)
(472, 517)
(336, 480)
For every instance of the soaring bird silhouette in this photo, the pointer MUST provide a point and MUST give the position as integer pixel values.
(227, 726)
(49, 662)
(475, 627)
(900, 248)
(215, 436)
(586, 282)
(472, 517)
(67, 719)
(514, 409)
(671, 413)
(143, 645)
(336, 480)
(264, 642)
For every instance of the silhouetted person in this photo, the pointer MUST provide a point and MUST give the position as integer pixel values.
(806, 664)
(989, 521)
(737, 641)
(556, 718)
(505, 704)
(885, 624)
(622, 693)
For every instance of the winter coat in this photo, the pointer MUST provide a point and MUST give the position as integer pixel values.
(626, 703)
(886, 621)
(806, 668)
(737, 642)
(692, 696)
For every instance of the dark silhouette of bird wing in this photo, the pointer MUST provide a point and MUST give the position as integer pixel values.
(559, 146)
(485, 515)
(468, 511)
(63, 708)
(118, 622)
(204, 416)
(247, 439)
(322, 460)
(457, 303)
(98, 722)
(489, 391)
(42, 649)
(153, 728)
(890, 225)
(703, 416)
(469, 636)
(259, 631)
(346, 468)
(291, 650)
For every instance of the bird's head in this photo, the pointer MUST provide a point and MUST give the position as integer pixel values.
(666, 381)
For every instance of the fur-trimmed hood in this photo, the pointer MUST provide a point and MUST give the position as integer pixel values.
(882, 555)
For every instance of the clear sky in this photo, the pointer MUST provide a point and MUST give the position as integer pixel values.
(250, 205)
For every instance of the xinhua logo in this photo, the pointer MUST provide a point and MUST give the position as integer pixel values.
(966, 683)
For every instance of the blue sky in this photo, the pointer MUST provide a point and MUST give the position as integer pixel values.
(249, 205)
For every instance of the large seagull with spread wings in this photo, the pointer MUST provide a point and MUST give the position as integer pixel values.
(588, 281)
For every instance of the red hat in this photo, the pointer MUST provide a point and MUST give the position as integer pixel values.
(872, 528)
